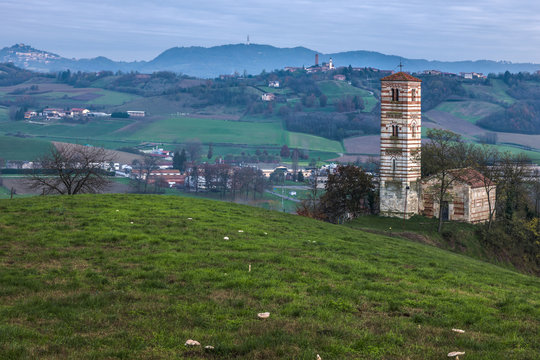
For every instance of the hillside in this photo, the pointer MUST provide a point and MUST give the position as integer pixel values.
(227, 59)
(120, 276)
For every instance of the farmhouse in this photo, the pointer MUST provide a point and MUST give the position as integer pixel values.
(136, 113)
(403, 193)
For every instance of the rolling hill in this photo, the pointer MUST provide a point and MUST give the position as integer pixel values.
(227, 59)
(125, 276)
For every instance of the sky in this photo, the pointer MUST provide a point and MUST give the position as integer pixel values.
(140, 30)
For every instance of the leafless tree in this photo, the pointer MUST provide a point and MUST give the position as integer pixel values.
(69, 169)
(445, 157)
(194, 148)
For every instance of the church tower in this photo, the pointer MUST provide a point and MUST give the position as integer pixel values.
(401, 137)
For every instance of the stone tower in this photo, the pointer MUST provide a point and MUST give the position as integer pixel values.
(401, 136)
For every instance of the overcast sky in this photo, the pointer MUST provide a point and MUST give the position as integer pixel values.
(140, 30)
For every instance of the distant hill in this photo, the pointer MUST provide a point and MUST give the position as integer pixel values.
(228, 59)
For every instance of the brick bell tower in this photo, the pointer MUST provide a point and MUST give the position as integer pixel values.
(401, 137)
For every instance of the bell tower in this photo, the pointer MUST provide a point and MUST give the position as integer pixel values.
(401, 140)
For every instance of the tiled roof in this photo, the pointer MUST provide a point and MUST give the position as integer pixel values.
(400, 76)
(472, 177)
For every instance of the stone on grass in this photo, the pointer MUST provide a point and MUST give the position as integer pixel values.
(264, 315)
(131, 222)
(209, 347)
(240, 230)
(225, 238)
(458, 331)
(191, 342)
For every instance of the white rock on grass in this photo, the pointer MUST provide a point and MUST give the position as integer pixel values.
(225, 238)
(131, 222)
(209, 347)
(458, 331)
(190, 218)
(240, 230)
(264, 315)
(191, 342)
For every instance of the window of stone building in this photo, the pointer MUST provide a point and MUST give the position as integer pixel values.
(413, 93)
(393, 165)
(395, 131)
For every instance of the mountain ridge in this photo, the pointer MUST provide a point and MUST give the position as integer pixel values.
(208, 62)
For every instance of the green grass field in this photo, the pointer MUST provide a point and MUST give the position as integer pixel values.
(306, 141)
(497, 91)
(471, 111)
(335, 90)
(102, 128)
(4, 114)
(210, 130)
(124, 276)
(15, 148)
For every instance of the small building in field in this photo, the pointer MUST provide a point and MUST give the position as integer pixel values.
(136, 113)
(468, 198)
(268, 97)
(274, 84)
(340, 77)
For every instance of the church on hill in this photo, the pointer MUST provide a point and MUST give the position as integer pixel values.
(403, 192)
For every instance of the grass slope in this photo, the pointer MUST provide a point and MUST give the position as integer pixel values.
(336, 90)
(471, 111)
(120, 276)
(14, 148)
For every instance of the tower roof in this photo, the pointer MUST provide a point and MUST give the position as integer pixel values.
(400, 76)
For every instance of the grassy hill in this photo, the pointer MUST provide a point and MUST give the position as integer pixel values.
(120, 276)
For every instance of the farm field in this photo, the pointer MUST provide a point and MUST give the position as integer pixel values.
(471, 111)
(306, 141)
(4, 114)
(335, 90)
(497, 91)
(99, 127)
(15, 148)
(132, 276)
(180, 129)
(50, 93)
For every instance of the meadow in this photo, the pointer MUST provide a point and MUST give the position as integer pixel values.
(336, 90)
(15, 148)
(132, 276)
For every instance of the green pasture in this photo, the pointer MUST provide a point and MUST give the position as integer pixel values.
(133, 277)
(306, 141)
(4, 114)
(15, 148)
(181, 129)
(335, 90)
(94, 128)
(471, 111)
(496, 91)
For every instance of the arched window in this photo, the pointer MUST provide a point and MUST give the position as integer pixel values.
(395, 130)
(413, 127)
(394, 166)
(413, 93)
(395, 94)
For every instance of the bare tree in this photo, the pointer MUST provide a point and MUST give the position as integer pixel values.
(486, 160)
(444, 158)
(194, 148)
(69, 169)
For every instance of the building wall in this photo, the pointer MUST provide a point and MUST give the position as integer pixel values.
(465, 203)
(400, 165)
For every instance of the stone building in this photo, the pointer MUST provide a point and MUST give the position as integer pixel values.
(400, 145)
(402, 191)
(468, 198)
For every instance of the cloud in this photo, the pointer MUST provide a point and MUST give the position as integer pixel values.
(446, 30)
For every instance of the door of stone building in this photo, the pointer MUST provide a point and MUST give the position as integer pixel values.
(445, 210)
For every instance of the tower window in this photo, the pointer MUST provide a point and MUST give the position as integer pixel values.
(395, 130)
(395, 94)
(413, 93)
(413, 127)
(393, 165)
